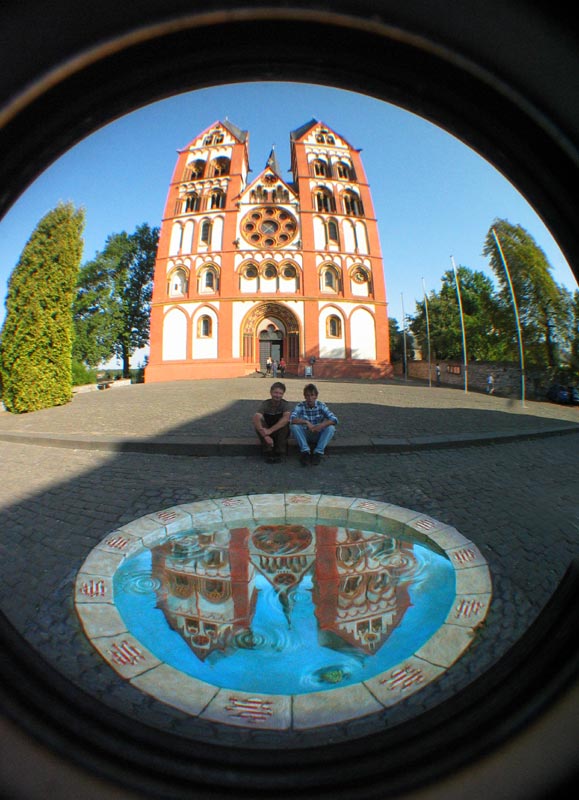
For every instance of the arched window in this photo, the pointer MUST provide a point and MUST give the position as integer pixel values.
(324, 200)
(204, 327)
(220, 166)
(332, 231)
(352, 204)
(196, 170)
(191, 203)
(334, 327)
(344, 171)
(217, 199)
(330, 279)
(270, 271)
(250, 272)
(205, 234)
(289, 271)
(208, 280)
(320, 168)
(178, 283)
(323, 137)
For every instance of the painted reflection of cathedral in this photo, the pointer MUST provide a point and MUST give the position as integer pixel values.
(208, 583)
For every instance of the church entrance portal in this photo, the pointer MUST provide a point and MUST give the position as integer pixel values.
(271, 330)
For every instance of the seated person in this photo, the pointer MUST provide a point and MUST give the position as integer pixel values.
(312, 426)
(271, 422)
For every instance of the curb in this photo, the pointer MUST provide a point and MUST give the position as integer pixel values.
(240, 446)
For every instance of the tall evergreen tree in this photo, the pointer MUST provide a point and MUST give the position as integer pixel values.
(111, 310)
(36, 339)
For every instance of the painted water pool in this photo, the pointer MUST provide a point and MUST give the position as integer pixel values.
(283, 611)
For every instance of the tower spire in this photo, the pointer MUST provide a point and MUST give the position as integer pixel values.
(272, 162)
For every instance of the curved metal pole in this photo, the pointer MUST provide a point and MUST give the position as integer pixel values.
(516, 311)
(461, 324)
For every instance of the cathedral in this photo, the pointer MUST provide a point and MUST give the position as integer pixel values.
(248, 270)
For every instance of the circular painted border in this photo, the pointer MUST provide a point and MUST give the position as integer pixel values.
(107, 632)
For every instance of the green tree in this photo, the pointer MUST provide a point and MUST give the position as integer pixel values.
(36, 339)
(482, 318)
(397, 342)
(111, 310)
(543, 306)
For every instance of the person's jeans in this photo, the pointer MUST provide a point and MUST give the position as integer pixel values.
(318, 439)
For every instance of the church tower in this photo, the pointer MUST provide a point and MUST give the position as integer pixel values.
(248, 269)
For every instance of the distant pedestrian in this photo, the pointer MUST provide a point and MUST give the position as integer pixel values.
(437, 375)
(282, 366)
(274, 368)
(490, 383)
(268, 365)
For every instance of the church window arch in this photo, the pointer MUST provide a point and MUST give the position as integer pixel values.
(323, 137)
(324, 200)
(206, 228)
(250, 272)
(177, 283)
(204, 327)
(196, 170)
(334, 327)
(344, 171)
(320, 168)
(192, 203)
(220, 166)
(208, 280)
(352, 204)
(332, 232)
(360, 275)
(217, 199)
(269, 270)
(330, 278)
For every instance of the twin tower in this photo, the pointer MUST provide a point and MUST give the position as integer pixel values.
(251, 268)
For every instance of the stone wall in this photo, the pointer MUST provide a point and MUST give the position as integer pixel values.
(507, 377)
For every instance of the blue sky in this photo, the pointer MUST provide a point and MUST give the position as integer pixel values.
(434, 196)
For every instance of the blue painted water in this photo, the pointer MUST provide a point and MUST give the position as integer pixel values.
(284, 609)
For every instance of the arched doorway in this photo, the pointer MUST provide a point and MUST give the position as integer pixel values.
(271, 329)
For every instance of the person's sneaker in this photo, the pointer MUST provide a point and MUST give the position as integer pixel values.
(316, 459)
(305, 458)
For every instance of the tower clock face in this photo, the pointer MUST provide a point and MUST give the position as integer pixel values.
(268, 226)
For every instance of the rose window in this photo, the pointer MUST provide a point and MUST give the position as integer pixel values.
(269, 227)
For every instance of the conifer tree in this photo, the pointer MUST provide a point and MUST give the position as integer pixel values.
(36, 339)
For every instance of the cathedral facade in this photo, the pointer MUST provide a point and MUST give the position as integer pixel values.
(248, 269)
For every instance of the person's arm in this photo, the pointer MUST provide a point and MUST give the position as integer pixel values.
(329, 419)
(281, 423)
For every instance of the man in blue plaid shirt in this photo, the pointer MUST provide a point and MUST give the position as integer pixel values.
(312, 425)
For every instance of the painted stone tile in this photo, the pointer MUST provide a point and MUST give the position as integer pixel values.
(446, 645)
(330, 708)
(173, 519)
(176, 689)
(403, 680)
(140, 527)
(448, 538)
(200, 507)
(121, 542)
(100, 619)
(242, 709)
(364, 512)
(266, 506)
(465, 557)
(301, 506)
(99, 562)
(93, 588)
(469, 610)
(334, 507)
(476, 580)
(126, 655)
(235, 508)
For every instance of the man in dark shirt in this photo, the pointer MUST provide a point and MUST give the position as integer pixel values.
(271, 422)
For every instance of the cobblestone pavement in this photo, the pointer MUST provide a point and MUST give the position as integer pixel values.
(518, 501)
